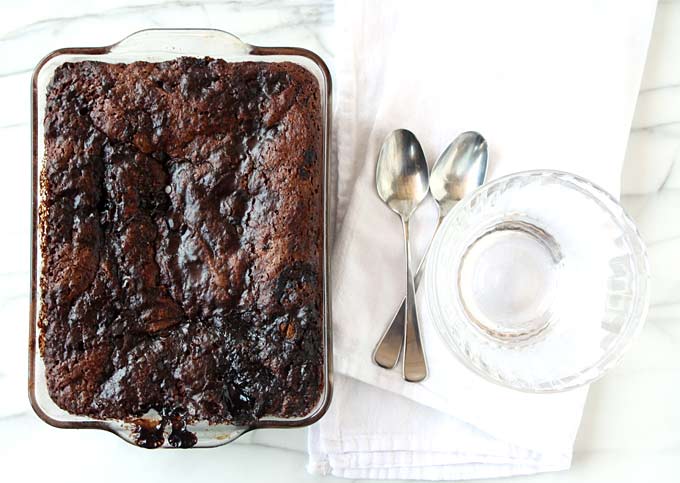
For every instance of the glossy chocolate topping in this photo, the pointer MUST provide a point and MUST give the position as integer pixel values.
(181, 229)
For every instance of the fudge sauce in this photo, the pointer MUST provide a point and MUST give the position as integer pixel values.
(181, 231)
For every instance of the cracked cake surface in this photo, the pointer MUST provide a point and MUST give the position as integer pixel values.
(181, 226)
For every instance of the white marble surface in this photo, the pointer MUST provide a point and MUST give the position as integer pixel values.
(631, 426)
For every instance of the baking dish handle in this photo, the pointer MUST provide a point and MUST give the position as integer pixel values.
(206, 42)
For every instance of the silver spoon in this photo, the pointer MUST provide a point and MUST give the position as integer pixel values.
(460, 169)
(402, 180)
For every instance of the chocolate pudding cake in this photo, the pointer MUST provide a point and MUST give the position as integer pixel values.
(181, 231)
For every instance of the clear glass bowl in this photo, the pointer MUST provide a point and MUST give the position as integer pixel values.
(538, 281)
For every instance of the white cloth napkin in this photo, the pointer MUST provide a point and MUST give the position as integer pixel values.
(550, 85)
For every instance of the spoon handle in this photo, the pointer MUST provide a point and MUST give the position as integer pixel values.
(415, 367)
(387, 351)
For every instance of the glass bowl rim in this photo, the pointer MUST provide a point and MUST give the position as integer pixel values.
(638, 311)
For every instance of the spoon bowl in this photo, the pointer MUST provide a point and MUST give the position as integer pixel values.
(459, 170)
(401, 173)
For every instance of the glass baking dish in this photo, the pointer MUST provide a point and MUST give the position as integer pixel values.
(156, 45)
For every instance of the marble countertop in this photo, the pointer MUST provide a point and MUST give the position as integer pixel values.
(631, 425)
